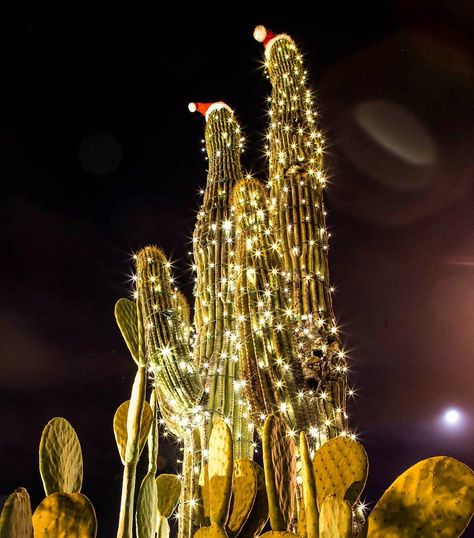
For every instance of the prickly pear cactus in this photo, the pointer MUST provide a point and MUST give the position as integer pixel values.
(335, 520)
(258, 516)
(434, 497)
(162, 528)
(120, 427)
(64, 515)
(15, 521)
(168, 490)
(147, 502)
(60, 458)
(244, 489)
(127, 321)
(220, 472)
(340, 467)
(301, 526)
(280, 472)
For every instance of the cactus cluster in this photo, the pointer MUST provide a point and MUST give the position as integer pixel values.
(263, 339)
(262, 357)
(435, 497)
(232, 492)
(65, 511)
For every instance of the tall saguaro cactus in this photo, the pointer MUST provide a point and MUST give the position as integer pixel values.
(298, 234)
(216, 347)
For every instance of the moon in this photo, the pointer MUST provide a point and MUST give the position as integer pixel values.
(452, 417)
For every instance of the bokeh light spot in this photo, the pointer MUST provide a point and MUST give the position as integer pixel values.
(397, 130)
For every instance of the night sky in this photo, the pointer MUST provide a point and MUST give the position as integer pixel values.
(99, 156)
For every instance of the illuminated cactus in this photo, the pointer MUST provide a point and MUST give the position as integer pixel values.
(216, 345)
(297, 220)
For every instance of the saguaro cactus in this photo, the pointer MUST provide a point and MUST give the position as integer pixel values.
(216, 347)
(296, 231)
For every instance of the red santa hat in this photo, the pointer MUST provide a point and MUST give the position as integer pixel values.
(267, 37)
(206, 108)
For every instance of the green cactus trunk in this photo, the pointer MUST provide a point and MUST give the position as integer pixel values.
(296, 182)
(189, 514)
(216, 349)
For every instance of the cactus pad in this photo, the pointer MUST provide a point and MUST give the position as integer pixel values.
(162, 528)
(120, 427)
(340, 466)
(302, 527)
(244, 489)
(168, 489)
(64, 515)
(309, 490)
(220, 471)
(127, 321)
(147, 503)
(15, 521)
(60, 458)
(335, 520)
(280, 472)
(259, 514)
(435, 497)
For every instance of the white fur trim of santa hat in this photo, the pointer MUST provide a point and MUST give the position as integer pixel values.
(276, 38)
(217, 106)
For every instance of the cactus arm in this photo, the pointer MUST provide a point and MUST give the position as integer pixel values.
(132, 451)
(168, 352)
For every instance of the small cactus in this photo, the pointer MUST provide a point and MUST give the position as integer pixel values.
(434, 497)
(340, 467)
(120, 428)
(220, 472)
(60, 458)
(15, 521)
(64, 515)
(146, 512)
(127, 321)
(258, 517)
(244, 490)
(169, 490)
(335, 520)
(280, 472)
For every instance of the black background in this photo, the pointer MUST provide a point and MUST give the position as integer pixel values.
(99, 156)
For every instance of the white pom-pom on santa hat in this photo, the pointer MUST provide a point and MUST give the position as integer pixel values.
(260, 33)
(192, 107)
